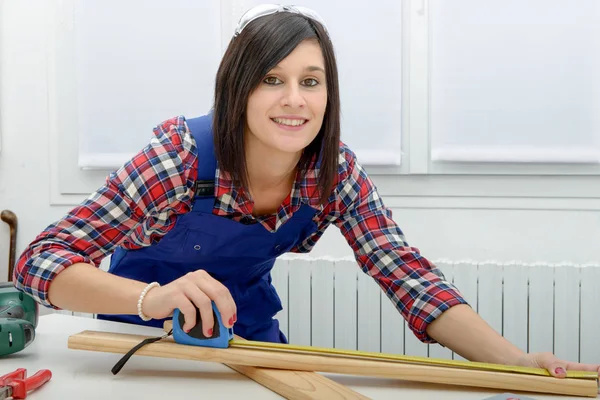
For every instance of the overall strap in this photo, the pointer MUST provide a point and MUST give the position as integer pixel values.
(201, 130)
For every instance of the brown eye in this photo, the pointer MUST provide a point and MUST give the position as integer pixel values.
(271, 80)
(310, 82)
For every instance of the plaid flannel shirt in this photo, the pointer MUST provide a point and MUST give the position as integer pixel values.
(140, 202)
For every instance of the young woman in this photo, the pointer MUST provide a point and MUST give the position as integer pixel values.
(202, 212)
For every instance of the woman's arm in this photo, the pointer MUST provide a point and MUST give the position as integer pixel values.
(433, 308)
(416, 287)
(137, 204)
(84, 288)
(463, 331)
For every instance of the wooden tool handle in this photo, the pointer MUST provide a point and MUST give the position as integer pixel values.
(122, 343)
(11, 219)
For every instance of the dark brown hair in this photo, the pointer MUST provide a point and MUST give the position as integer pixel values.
(262, 44)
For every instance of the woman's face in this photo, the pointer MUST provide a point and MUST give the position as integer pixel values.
(285, 112)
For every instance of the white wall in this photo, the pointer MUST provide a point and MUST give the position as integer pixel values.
(24, 156)
(500, 217)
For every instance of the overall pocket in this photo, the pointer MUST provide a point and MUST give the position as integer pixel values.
(258, 304)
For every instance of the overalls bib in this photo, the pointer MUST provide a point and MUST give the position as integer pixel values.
(238, 255)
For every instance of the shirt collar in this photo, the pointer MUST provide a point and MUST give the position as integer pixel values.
(305, 190)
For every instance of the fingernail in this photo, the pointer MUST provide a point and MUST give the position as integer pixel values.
(187, 330)
(231, 321)
(210, 331)
(234, 317)
(559, 370)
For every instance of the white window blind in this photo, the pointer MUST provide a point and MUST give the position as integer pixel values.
(138, 65)
(515, 81)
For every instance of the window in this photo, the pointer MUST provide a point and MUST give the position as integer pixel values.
(435, 88)
(514, 86)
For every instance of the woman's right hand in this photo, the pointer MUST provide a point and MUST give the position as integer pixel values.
(194, 290)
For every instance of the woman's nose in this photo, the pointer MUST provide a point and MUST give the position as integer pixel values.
(292, 97)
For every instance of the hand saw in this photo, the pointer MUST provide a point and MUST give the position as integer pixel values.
(223, 346)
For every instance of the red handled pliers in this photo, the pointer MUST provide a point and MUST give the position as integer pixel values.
(15, 385)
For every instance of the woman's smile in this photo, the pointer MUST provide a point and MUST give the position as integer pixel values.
(290, 123)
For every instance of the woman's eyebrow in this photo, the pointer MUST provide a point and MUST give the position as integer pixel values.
(310, 68)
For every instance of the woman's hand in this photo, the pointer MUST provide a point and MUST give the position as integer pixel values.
(554, 365)
(194, 290)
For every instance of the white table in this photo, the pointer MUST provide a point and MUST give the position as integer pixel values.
(86, 374)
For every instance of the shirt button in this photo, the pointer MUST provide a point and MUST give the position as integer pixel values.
(197, 247)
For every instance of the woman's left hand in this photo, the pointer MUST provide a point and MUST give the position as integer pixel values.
(557, 367)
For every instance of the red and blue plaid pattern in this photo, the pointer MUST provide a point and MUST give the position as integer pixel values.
(139, 203)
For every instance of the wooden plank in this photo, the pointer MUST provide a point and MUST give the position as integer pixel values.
(437, 350)
(515, 305)
(298, 384)
(299, 302)
(345, 318)
(280, 280)
(590, 323)
(465, 279)
(566, 312)
(303, 385)
(168, 348)
(541, 308)
(322, 303)
(369, 314)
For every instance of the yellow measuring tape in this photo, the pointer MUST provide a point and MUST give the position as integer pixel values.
(405, 359)
(357, 354)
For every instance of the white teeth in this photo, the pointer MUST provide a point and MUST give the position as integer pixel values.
(290, 122)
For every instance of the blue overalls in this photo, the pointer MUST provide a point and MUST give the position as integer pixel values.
(238, 255)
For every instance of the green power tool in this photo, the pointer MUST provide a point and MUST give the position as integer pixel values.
(18, 319)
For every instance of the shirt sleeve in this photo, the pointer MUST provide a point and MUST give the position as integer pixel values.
(137, 204)
(417, 288)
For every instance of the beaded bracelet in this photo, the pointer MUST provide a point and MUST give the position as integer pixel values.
(141, 300)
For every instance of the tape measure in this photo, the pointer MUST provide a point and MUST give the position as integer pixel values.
(404, 359)
(223, 337)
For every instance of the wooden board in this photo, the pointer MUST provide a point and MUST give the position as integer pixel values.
(297, 384)
(293, 384)
(168, 348)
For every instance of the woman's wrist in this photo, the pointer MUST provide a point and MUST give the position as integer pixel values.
(140, 302)
(85, 288)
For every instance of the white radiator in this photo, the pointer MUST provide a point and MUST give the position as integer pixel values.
(537, 307)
